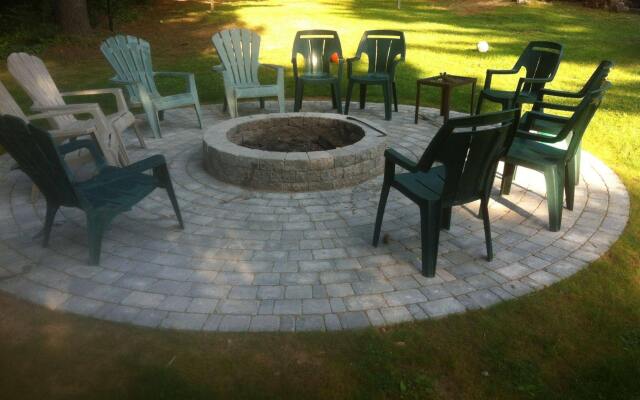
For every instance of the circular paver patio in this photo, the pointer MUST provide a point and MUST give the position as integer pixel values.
(264, 261)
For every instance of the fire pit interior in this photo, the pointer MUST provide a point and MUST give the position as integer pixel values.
(311, 134)
(293, 151)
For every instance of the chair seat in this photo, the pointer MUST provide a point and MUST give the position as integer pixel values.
(116, 188)
(536, 154)
(173, 101)
(318, 77)
(505, 95)
(422, 186)
(373, 77)
(255, 91)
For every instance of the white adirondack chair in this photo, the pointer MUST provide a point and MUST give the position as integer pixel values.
(33, 76)
(239, 50)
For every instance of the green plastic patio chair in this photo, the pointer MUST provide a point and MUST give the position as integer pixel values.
(317, 48)
(553, 154)
(384, 50)
(595, 82)
(540, 61)
(130, 57)
(467, 150)
(239, 52)
(111, 191)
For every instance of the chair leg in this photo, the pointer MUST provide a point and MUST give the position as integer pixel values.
(297, 103)
(152, 117)
(261, 103)
(479, 105)
(334, 105)
(225, 105)
(337, 97)
(507, 178)
(96, 225)
(484, 207)
(281, 99)
(570, 184)
(196, 106)
(554, 179)
(48, 223)
(577, 159)
(363, 95)
(445, 218)
(233, 108)
(395, 97)
(430, 236)
(384, 195)
(347, 100)
(139, 135)
(386, 89)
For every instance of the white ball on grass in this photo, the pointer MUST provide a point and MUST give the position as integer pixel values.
(483, 46)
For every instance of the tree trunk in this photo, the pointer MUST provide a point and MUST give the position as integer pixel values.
(73, 16)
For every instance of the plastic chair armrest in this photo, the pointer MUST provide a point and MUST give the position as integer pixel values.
(398, 159)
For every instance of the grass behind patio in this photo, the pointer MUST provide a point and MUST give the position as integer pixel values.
(579, 339)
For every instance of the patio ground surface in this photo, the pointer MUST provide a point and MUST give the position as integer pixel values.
(265, 261)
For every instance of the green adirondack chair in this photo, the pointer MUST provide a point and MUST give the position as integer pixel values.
(468, 150)
(384, 50)
(111, 191)
(130, 57)
(540, 61)
(553, 154)
(595, 81)
(317, 48)
(239, 52)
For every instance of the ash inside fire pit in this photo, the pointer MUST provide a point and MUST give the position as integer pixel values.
(296, 135)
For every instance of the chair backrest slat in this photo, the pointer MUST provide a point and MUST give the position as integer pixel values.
(239, 51)
(316, 48)
(470, 148)
(8, 105)
(382, 47)
(541, 61)
(579, 121)
(130, 57)
(32, 75)
(36, 155)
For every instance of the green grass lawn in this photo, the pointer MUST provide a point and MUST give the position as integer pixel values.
(579, 339)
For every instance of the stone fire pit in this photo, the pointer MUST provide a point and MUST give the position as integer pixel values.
(294, 151)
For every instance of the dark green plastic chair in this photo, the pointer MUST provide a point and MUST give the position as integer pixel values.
(384, 50)
(109, 192)
(316, 48)
(595, 82)
(467, 150)
(540, 61)
(552, 154)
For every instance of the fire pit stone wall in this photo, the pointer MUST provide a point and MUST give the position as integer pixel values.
(293, 171)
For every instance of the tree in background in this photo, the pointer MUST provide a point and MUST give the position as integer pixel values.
(73, 16)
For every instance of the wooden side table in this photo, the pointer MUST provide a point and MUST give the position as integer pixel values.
(446, 83)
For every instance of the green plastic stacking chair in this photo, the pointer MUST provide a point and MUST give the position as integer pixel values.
(540, 61)
(384, 50)
(239, 53)
(111, 191)
(552, 154)
(130, 57)
(318, 48)
(468, 150)
(595, 82)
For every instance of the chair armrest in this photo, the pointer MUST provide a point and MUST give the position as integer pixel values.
(272, 66)
(350, 62)
(535, 115)
(562, 107)
(561, 93)
(398, 159)
(491, 72)
(538, 137)
(121, 104)
(148, 163)
(88, 144)
(218, 68)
